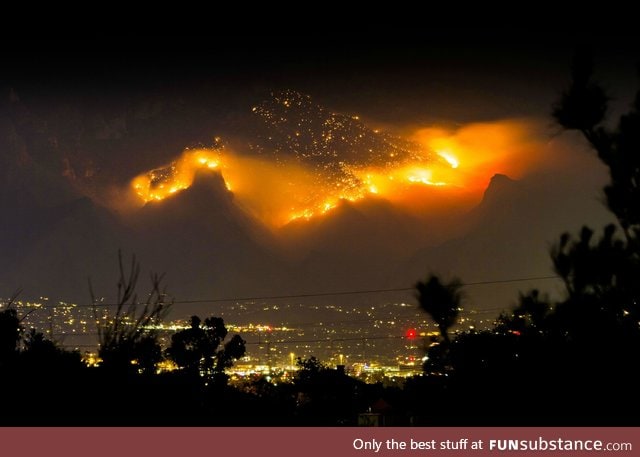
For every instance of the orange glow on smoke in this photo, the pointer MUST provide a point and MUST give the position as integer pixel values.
(450, 158)
(480, 150)
(278, 193)
(153, 186)
(457, 164)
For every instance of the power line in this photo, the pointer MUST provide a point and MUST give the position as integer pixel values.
(355, 292)
(332, 294)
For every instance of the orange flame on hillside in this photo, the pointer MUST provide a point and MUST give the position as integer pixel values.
(461, 163)
(161, 183)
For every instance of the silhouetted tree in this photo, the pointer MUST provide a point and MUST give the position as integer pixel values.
(529, 315)
(603, 270)
(308, 368)
(534, 308)
(549, 353)
(10, 332)
(36, 342)
(327, 396)
(441, 301)
(127, 338)
(584, 104)
(602, 277)
(43, 355)
(196, 349)
(33, 368)
(583, 107)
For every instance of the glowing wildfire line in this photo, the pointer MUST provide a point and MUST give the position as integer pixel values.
(304, 200)
(161, 183)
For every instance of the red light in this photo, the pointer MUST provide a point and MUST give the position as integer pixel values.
(411, 333)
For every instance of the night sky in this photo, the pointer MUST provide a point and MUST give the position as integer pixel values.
(491, 73)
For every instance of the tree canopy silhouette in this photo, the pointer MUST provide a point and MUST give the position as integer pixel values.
(127, 338)
(601, 277)
(10, 332)
(583, 107)
(196, 349)
(550, 352)
(441, 301)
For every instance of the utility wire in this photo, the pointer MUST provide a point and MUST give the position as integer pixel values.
(327, 294)
(354, 292)
(322, 294)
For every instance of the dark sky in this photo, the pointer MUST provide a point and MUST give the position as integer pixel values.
(391, 74)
